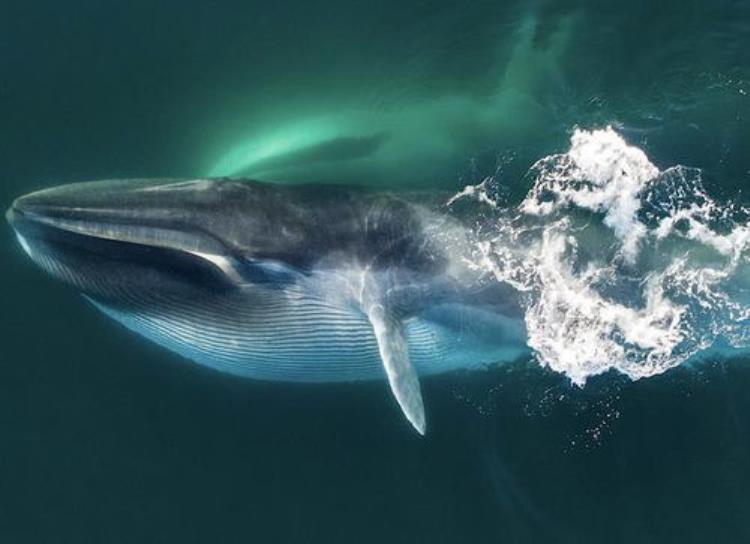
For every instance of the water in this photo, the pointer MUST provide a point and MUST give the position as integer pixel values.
(504, 104)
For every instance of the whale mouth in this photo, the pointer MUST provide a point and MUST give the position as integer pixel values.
(105, 225)
(85, 231)
(114, 210)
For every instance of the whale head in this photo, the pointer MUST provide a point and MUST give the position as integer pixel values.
(107, 238)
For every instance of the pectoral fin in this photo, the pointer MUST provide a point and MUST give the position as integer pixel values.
(402, 376)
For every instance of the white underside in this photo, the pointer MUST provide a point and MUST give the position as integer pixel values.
(283, 336)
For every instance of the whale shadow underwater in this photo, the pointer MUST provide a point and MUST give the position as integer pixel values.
(304, 283)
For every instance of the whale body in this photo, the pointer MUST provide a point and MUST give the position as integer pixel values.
(306, 283)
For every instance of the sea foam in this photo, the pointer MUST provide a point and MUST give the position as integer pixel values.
(618, 264)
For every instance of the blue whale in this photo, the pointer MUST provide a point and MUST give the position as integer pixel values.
(306, 283)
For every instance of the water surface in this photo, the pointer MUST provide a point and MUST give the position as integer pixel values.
(110, 439)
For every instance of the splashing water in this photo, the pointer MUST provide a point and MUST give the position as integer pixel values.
(619, 265)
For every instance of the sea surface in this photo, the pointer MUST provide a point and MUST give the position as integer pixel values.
(600, 149)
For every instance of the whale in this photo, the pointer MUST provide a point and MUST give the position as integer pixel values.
(297, 283)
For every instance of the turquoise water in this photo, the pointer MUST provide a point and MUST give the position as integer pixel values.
(110, 439)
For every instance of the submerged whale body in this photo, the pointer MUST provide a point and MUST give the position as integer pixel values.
(278, 282)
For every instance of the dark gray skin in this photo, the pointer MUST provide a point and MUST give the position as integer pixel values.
(299, 227)
(231, 273)
(296, 225)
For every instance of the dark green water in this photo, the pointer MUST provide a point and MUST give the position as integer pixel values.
(107, 438)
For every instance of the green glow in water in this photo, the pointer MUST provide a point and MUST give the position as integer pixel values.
(427, 139)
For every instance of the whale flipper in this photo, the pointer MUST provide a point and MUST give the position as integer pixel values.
(394, 353)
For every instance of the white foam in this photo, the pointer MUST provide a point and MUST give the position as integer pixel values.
(600, 173)
(620, 265)
(478, 192)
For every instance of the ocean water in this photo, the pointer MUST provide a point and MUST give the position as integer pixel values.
(600, 150)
